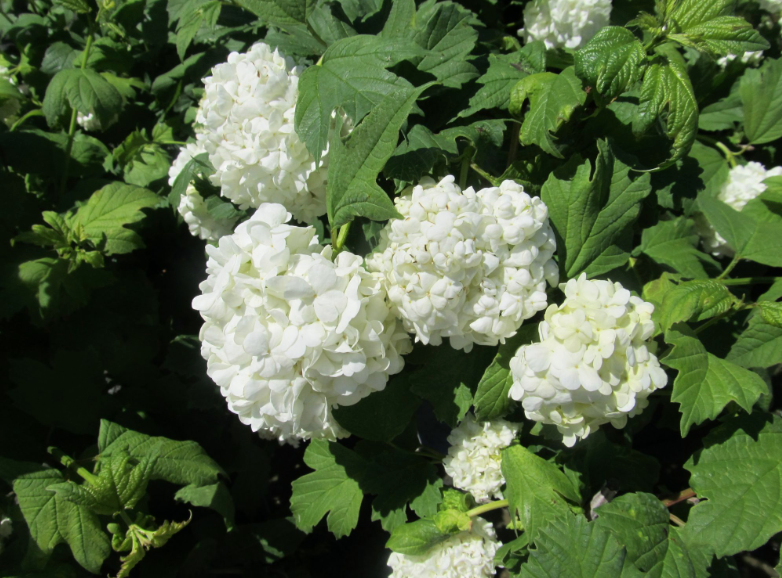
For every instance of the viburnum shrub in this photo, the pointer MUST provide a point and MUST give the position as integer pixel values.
(391, 288)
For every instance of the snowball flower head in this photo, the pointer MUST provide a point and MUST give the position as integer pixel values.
(288, 334)
(88, 122)
(564, 23)
(473, 460)
(199, 221)
(465, 265)
(592, 364)
(744, 184)
(751, 58)
(245, 123)
(464, 555)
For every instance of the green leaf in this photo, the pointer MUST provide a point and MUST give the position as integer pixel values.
(761, 95)
(418, 153)
(666, 93)
(78, 6)
(83, 90)
(697, 300)
(355, 164)
(771, 313)
(611, 62)
(736, 476)
(352, 75)
(443, 30)
(53, 520)
(674, 244)
(724, 114)
(747, 237)
(535, 489)
(570, 546)
(590, 211)
(415, 538)
(759, 345)
(333, 488)
(705, 383)
(641, 524)
(103, 218)
(214, 496)
(191, 21)
(553, 98)
(491, 398)
(298, 10)
(383, 415)
(505, 70)
(182, 463)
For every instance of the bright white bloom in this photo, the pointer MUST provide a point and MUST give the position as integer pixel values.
(592, 364)
(200, 223)
(88, 122)
(245, 123)
(744, 184)
(751, 58)
(473, 460)
(564, 23)
(465, 265)
(289, 334)
(464, 555)
(185, 155)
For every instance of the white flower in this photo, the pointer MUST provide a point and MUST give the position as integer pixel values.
(751, 58)
(564, 23)
(592, 364)
(473, 460)
(465, 265)
(200, 223)
(464, 555)
(185, 155)
(744, 184)
(245, 123)
(289, 334)
(88, 122)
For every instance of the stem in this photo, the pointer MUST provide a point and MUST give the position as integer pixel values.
(730, 267)
(749, 281)
(730, 156)
(680, 497)
(514, 143)
(18, 123)
(716, 319)
(487, 508)
(676, 520)
(466, 159)
(69, 463)
(125, 518)
(72, 127)
(483, 173)
(342, 236)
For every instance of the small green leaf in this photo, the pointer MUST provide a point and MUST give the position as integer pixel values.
(415, 538)
(697, 300)
(771, 313)
(553, 98)
(78, 6)
(214, 496)
(761, 94)
(298, 10)
(452, 521)
(536, 489)
(736, 476)
(491, 398)
(355, 164)
(611, 62)
(84, 90)
(674, 244)
(705, 383)
(759, 345)
(505, 70)
(332, 489)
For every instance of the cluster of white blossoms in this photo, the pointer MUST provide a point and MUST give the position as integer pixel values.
(192, 206)
(88, 122)
(564, 23)
(751, 58)
(592, 364)
(289, 334)
(245, 122)
(468, 554)
(464, 265)
(744, 184)
(473, 460)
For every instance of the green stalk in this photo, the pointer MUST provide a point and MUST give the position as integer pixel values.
(730, 267)
(342, 236)
(18, 123)
(69, 463)
(749, 280)
(72, 127)
(466, 159)
(487, 508)
(483, 173)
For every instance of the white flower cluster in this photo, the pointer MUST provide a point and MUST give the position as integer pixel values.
(744, 184)
(751, 58)
(245, 123)
(88, 122)
(465, 265)
(289, 334)
(192, 206)
(564, 23)
(473, 460)
(464, 555)
(6, 529)
(592, 365)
